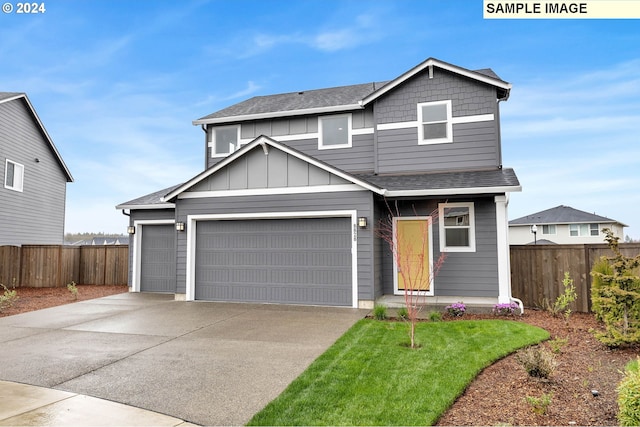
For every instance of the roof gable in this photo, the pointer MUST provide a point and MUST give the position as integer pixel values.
(562, 215)
(485, 76)
(16, 96)
(297, 170)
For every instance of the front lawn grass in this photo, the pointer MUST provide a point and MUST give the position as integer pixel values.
(371, 377)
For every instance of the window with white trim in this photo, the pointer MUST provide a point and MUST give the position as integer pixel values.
(224, 140)
(549, 229)
(582, 230)
(434, 122)
(13, 175)
(457, 227)
(334, 131)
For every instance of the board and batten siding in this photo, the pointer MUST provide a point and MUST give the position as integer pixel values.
(463, 274)
(35, 215)
(361, 201)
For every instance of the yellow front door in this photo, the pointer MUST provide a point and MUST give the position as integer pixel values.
(413, 261)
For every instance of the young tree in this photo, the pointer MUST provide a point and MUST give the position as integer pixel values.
(615, 295)
(408, 240)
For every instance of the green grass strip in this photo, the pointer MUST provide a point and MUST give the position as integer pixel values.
(371, 377)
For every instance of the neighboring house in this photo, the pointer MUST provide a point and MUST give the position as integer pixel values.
(562, 225)
(103, 241)
(34, 177)
(295, 184)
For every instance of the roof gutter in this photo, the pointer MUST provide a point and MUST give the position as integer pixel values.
(452, 191)
(274, 114)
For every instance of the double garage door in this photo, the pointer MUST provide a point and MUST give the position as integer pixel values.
(290, 261)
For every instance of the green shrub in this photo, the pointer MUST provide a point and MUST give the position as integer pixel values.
(561, 304)
(537, 361)
(556, 344)
(403, 313)
(615, 296)
(540, 404)
(435, 316)
(8, 298)
(73, 289)
(629, 397)
(380, 312)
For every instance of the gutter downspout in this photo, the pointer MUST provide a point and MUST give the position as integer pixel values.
(504, 262)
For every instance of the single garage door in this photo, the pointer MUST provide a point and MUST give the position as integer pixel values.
(289, 261)
(158, 262)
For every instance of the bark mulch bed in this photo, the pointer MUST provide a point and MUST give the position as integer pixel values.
(30, 299)
(582, 387)
(498, 396)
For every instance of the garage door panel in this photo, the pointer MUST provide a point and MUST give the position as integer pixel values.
(157, 263)
(294, 261)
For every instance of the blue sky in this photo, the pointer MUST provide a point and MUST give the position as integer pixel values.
(117, 84)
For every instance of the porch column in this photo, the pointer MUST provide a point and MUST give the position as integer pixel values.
(504, 263)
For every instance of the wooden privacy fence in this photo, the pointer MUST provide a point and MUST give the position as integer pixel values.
(39, 266)
(537, 271)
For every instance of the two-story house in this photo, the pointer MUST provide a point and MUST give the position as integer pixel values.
(286, 210)
(562, 225)
(34, 177)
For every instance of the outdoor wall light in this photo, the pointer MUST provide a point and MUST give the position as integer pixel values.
(131, 229)
(179, 226)
(362, 222)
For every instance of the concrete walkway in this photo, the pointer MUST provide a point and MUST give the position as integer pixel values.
(205, 363)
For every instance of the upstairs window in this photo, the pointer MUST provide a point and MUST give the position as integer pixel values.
(225, 140)
(13, 175)
(581, 230)
(549, 229)
(434, 122)
(457, 227)
(334, 132)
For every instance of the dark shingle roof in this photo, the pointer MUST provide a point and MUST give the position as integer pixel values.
(293, 101)
(148, 200)
(444, 180)
(561, 215)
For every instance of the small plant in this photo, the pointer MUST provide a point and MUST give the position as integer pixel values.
(537, 361)
(507, 309)
(629, 396)
(73, 289)
(556, 344)
(435, 316)
(380, 312)
(561, 304)
(8, 298)
(539, 405)
(403, 313)
(456, 309)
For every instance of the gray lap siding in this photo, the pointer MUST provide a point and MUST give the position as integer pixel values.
(463, 274)
(362, 201)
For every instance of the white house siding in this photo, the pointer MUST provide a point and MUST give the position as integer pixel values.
(522, 235)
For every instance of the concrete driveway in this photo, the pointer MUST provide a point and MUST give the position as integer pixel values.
(207, 363)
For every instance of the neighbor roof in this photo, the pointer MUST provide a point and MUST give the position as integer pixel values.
(562, 215)
(10, 96)
(336, 99)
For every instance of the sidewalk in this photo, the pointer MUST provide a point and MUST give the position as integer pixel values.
(26, 405)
